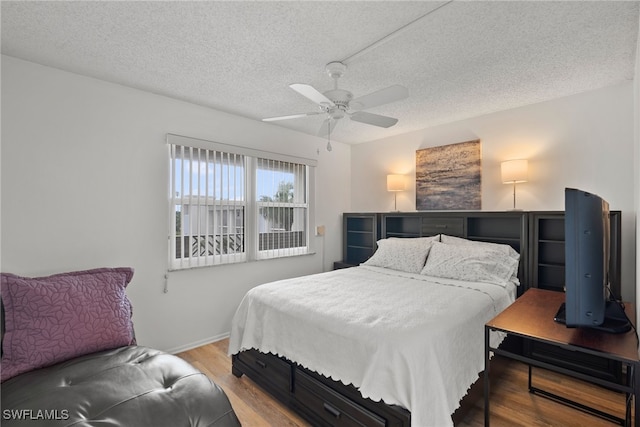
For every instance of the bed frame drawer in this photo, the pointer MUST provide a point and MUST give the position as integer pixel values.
(268, 370)
(327, 407)
(320, 400)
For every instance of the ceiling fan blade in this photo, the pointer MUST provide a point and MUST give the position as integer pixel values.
(374, 119)
(327, 126)
(292, 116)
(312, 93)
(380, 97)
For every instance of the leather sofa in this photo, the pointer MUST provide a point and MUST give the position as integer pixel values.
(130, 386)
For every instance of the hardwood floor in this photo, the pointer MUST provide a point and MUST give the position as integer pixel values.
(511, 403)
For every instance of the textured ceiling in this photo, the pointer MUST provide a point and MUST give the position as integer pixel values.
(463, 60)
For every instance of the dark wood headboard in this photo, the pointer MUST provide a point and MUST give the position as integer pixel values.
(537, 235)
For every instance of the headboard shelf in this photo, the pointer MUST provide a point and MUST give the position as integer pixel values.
(537, 235)
(401, 226)
(362, 230)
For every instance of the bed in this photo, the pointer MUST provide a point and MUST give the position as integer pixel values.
(403, 331)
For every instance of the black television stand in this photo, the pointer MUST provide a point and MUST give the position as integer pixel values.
(615, 320)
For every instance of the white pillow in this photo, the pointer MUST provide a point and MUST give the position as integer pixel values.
(506, 249)
(403, 254)
(471, 263)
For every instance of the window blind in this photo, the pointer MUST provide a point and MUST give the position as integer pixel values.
(208, 207)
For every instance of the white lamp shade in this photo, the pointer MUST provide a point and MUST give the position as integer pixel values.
(515, 171)
(395, 183)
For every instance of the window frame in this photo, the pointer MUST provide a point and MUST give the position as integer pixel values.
(251, 205)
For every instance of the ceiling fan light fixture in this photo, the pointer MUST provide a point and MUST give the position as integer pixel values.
(336, 69)
(338, 103)
(336, 114)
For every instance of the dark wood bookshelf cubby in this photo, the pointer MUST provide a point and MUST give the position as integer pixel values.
(548, 250)
(402, 226)
(361, 231)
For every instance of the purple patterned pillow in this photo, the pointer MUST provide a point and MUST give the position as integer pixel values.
(55, 318)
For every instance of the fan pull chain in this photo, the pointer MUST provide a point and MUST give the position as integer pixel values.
(329, 138)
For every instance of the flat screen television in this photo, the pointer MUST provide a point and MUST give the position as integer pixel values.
(588, 299)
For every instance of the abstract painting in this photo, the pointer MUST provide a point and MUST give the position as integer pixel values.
(448, 177)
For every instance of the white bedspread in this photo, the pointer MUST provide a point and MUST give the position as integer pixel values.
(407, 339)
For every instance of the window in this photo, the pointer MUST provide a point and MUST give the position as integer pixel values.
(232, 204)
(281, 200)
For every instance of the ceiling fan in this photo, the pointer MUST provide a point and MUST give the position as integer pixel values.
(338, 103)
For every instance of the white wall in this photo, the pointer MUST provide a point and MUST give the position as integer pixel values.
(84, 184)
(584, 141)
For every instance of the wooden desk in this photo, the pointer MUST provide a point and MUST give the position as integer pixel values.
(531, 317)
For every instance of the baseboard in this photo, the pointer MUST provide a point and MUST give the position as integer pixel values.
(198, 343)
